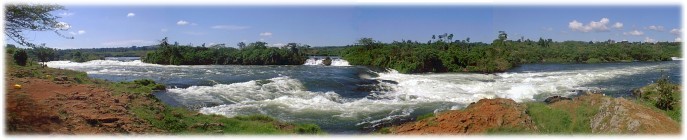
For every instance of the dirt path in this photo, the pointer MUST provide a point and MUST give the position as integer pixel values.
(61, 107)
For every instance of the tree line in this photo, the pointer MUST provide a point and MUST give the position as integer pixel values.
(447, 55)
(256, 53)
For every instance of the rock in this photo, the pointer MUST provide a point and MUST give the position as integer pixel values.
(476, 118)
(327, 61)
(554, 99)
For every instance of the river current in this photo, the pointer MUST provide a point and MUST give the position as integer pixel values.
(351, 99)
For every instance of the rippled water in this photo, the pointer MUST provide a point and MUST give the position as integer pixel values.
(346, 99)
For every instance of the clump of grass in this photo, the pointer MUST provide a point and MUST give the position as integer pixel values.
(308, 129)
(558, 121)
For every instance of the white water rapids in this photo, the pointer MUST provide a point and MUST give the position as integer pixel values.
(288, 99)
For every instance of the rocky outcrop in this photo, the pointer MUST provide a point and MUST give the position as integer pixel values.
(477, 118)
(622, 116)
(327, 61)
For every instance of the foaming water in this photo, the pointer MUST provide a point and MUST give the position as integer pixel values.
(317, 60)
(348, 99)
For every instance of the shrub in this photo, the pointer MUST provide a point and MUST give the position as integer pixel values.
(665, 98)
(20, 57)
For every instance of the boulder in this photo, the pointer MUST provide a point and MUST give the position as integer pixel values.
(327, 61)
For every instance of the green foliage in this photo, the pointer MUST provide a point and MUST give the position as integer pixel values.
(446, 55)
(656, 96)
(665, 90)
(83, 55)
(20, 57)
(43, 53)
(557, 121)
(256, 53)
(325, 51)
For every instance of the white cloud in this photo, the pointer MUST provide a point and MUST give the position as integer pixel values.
(654, 27)
(62, 26)
(618, 25)
(182, 22)
(229, 27)
(678, 39)
(598, 26)
(677, 32)
(634, 33)
(80, 32)
(647, 39)
(125, 43)
(268, 34)
(66, 14)
(130, 15)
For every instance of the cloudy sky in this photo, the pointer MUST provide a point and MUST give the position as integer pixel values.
(124, 26)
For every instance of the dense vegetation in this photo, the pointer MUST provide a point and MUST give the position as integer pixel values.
(257, 53)
(83, 55)
(447, 55)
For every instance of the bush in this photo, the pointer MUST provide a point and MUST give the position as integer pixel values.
(665, 90)
(20, 57)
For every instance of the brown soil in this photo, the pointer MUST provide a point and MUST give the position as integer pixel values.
(476, 118)
(60, 107)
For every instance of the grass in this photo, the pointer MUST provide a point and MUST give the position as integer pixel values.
(650, 97)
(565, 120)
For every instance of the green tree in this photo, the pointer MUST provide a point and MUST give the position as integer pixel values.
(20, 57)
(43, 53)
(241, 45)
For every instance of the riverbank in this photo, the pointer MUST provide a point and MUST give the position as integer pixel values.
(590, 113)
(43, 100)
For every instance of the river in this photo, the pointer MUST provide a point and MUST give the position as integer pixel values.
(353, 99)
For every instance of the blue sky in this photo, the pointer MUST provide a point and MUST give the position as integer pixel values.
(123, 26)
